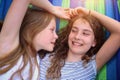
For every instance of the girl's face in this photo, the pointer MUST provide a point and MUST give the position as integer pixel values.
(46, 38)
(81, 37)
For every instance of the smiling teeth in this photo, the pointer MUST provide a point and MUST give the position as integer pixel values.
(77, 44)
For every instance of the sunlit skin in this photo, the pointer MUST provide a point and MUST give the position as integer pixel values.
(46, 38)
(80, 40)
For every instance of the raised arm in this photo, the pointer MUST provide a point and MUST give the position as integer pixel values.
(56, 10)
(9, 36)
(112, 44)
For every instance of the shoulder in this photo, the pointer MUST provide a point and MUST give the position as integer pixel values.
(7, 75)
(93, 64)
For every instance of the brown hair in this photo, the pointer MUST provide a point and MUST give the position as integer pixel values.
(34, 22)
(61, 48)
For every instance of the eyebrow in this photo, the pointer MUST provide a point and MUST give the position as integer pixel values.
(87, 30)
(74, 27)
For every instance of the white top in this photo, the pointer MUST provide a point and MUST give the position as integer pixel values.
(7, 75)
(71, 70)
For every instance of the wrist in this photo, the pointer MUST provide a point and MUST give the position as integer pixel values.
(52, 9)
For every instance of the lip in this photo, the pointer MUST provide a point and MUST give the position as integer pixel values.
(75, 43)
(52, 42)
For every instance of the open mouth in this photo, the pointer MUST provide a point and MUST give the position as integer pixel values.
(77, 43)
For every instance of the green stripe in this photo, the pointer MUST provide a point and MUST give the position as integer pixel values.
(118, 1)
(65, 4)
(100, 6)
(89, 4)
(102, 74)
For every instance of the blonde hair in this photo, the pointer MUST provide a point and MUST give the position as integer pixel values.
(34, 22)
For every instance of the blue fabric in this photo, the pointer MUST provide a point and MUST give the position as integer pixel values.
(1, 10)
(51, 1)
(57, 3)
(111, 66)
(118, 65)
(4, 6)
(117, 17)
(116, 10)
(109, 11)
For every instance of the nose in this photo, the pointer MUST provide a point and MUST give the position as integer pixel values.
(77, 36)
(55, 35)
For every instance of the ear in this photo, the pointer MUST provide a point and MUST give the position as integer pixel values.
(94, 43)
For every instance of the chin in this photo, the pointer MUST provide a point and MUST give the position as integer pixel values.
(50, 49)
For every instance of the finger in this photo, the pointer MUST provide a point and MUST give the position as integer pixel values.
(75, 12)
(71, 12)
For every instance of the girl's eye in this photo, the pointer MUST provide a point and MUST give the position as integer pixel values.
(86, 34)
(52, 29)
(73, 30)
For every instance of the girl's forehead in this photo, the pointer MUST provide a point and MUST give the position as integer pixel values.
(82, 24)
(81, 21)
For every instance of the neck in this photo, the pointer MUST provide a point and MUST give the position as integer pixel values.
(72, 57)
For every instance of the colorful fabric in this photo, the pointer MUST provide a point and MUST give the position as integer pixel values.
(111, 8)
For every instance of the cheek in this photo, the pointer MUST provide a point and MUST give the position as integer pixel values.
(47, 39)
(37, 40)
(44, 39)
(40, 39)
(69, 39)
(71, 36)
(90, 41)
